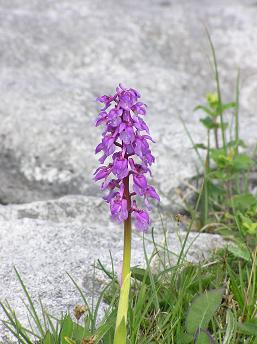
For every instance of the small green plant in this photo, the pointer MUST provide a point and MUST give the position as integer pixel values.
(226, 195)
(46, 329)
(210, 302)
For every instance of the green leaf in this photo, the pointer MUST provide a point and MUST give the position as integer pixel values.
(120, 330)
(79, 332)
(200, 146)
(242, 162)
(69, 340)
(251, 228)
(219, 156)
(243, 202)
(204, 338)
(209, 123)
(218, 174)
(249, 328)
(140, 274)
(120, 333)
(202, 309)
(236, 143)
(230, 329)
(240, 251)
(48, 338)
(204, 109)
(185, 338)
(67, 327)
(228, 106)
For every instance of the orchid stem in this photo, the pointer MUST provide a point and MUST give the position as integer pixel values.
(120, 336)
(126, 248)
(127, 234)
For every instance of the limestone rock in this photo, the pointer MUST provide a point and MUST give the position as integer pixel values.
(58, 56)
(46, 239)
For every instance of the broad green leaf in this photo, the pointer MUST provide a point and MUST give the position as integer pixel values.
(121, 333)
(234, 143)
(250, 227)
(242, 162)
(243, 202)
(123, 301)
(121, 320)
(48, 338)
(240, 251)
(203, 309)
(140, 274)
(204, 338)
(219, 156)
(79, 332)
(218, 174)
(67, 327)
(185, 338)
(249, 328)
(209, 123)
(230, 329)
(69, 340)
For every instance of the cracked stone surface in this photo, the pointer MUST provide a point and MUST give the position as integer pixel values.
(46, 239)
(58, 56)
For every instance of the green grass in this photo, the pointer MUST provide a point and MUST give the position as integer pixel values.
(214, 301)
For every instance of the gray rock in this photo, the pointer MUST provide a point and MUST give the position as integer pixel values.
(44, 240)
(57, 56)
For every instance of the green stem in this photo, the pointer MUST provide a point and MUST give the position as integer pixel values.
(126, 248)
(206, 172)
(220, 105)
(237, 110)
(121, 320)
(127, 234)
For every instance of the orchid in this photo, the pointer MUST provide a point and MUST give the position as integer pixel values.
(126, 140)
(125, 143)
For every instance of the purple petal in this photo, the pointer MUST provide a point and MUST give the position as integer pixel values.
(141, 125)
(151, 192)
(127, 135)
(142, 220)
(120, 167)
(102, 172)
(139, 108)
(99, 148)
(140, 182)
(118, 207)
(102, 118)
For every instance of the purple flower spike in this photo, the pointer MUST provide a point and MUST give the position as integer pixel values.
(125, 139)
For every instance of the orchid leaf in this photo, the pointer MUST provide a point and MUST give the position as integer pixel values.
(120, 331)
(203, 309)
(230, 329)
